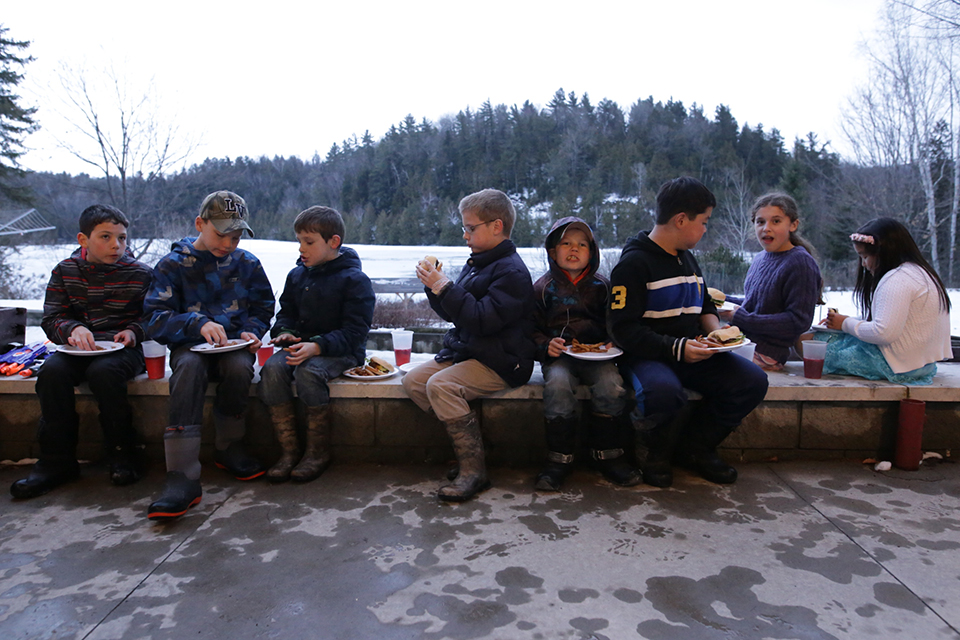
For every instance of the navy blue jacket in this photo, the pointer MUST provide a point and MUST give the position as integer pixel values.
(331, 304)
(491, 308)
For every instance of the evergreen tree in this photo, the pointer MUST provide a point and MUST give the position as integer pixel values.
(16, 121)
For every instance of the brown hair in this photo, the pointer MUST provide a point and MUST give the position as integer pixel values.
(323, 220)
(789, 207)
(490, 205)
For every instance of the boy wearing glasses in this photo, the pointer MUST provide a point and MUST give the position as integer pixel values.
(490, 346)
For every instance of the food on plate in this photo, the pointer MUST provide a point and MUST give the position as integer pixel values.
(724, 337)
(433, 261)
(374, 367)
(579, 347)
(717, 297)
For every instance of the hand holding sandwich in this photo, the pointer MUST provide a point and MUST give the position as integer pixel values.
(429, 273)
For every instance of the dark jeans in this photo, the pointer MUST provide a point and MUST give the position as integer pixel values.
(731, 387)
(311, 377)
(191, 371)
(107, 376)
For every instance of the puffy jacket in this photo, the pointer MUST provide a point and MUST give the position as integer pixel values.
(491, 308)
(192, 287)
(104, 298)
(577, 310)
(331, 304)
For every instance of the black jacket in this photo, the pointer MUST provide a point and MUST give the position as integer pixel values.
(491, 308)
(331, 305)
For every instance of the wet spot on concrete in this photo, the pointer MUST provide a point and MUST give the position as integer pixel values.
(899, 503)
(874, 489)
(458, 589)
(590, 625)
(723, 606)
(882, 554)
(938, 545)
(861, 507)
(868, 610)
(525, 626)
(546, 528)
(518, 577)
(820, 549)
(628, 595)
(655, 517)
(894, 594)
(577, 595)
(475, 619)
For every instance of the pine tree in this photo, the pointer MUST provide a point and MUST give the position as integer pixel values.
(16, 121)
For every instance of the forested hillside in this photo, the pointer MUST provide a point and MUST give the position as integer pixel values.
(602, 162)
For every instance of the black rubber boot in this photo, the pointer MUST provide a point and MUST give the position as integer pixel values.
(179, 494)
(561, 437)
(468, 446)
(661, 437)
(238, 462)
(125, 463)
(607, 438)
(47, 474)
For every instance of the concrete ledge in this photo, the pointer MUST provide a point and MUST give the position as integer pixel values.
(375, 421)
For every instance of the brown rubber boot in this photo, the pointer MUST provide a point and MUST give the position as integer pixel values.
(468, 447)
(284, 417)
(317, 456)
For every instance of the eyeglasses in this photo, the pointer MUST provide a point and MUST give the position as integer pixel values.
(471, 228)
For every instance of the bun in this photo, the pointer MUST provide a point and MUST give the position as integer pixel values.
(727, 335)
(433, 260)
(718, 297)
(381, 365)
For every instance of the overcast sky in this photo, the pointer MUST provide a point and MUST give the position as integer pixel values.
(291, 78)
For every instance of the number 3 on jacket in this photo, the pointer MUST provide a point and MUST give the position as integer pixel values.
(619, 297)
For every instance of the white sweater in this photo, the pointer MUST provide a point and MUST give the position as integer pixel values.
(908, 324)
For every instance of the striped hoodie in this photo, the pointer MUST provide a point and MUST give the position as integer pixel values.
(656, 300)
(104, 298)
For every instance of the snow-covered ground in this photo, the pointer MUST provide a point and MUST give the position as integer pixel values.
(383, 263)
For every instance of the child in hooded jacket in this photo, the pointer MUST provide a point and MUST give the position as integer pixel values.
(571, 303)
(326, 310)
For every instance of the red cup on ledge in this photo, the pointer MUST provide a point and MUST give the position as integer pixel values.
(814, 352)
(264, 353)
(402, 346)
(155, 355)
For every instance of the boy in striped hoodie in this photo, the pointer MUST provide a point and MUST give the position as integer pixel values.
(94, 295)
(658, 307)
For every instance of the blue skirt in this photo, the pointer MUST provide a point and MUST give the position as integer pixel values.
(850, 356)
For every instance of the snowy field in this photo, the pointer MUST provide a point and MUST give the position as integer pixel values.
(381, 263)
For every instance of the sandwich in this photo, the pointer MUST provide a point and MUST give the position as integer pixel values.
(717, 297)
(433, 261)
(380, 366)
(727, 336)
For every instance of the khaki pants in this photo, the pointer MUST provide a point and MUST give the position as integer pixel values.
(447, 387)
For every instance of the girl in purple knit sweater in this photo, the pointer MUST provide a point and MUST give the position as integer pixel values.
(783, 284)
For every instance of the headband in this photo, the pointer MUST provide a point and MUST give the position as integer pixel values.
(860, 237)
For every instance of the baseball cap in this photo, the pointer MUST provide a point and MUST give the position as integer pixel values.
(227, 211)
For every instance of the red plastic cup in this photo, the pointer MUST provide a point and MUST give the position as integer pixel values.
(402, 346)
(814, 352)
(264, 353)
(155, 355)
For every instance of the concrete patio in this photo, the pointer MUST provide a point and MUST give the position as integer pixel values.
(804, 550)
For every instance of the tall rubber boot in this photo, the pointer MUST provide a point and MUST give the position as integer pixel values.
(468, 447)
(607, 436)
(284, 418)
(316, 456)
(561, 437)
(230, 454)
(181, 489)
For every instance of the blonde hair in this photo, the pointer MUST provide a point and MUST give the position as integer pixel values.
(490, 205)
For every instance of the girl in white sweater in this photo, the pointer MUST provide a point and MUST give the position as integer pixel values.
(905, 327)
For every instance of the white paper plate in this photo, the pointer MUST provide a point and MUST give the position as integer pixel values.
(823, 329)
(731, 347)
(232, 345)
(410, 366)
(609, 354)
(107, 346)
(383, 376)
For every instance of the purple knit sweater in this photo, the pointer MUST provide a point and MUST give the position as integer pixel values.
(780, 294)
